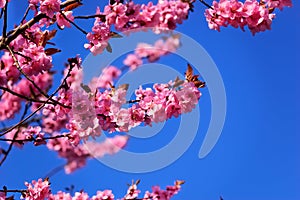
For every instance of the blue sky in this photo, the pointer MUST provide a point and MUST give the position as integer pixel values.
(257, 155)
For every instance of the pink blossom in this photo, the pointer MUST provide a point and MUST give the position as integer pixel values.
(10, 105)
(133, 61)
(34, 133)
(106, 78)
(108, 146)
(61, 21)
(104, 195)
(98, 38)
(2, 3)
(188, 98)
(37, 190)
(279, 3)
(60, 196)
(132, 192)
(84, 116)
(50, 7)
(122, 119)
(257, 16)
(80, 196)
(2, 196)
(76, 155)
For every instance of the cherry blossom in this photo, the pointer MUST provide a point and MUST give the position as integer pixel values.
(37, 190)
(61, 20)
(50, 7)
(256, 16)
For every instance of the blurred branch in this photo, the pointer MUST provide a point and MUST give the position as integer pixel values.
(27, 106)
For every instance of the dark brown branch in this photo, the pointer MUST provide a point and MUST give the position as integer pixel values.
(34, 139)
(21, 28)
(206, 4)
(20, 95)
(25, 14)
(14, 191)
(133, 101)
(102, 17)
(5, 19)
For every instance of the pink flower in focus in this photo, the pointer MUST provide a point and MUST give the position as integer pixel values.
(61, 21)
(37, 190)
(50, 7)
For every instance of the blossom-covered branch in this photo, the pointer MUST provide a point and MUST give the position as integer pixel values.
(40, 190)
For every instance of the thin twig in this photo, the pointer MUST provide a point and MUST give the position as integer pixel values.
(102, 17)
(22, 72)
(14, 191)
(41, 106)
(206, 4)
(34, 139)
(37, 120)
(21, 28)
(80, 29)
(25, 14)
(15, 136)
(20, 95)
(29, 79)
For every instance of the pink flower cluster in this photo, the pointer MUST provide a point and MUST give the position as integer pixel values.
(77, 156)
(163, 16)
(37, 190)
(48, 7)
(156, 194)
(106, 78)
(152, 52)
(83, 121)
(159, 105)
(258, 17)
(10, 104)
(98, 39)
(61, 19)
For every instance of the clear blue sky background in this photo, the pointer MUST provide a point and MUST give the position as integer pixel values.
(257, 155)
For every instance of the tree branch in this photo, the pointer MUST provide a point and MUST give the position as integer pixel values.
(33, 139)
(15, 136)
(41, 106)
(21, 28)
(29, 79)
(206, 4)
